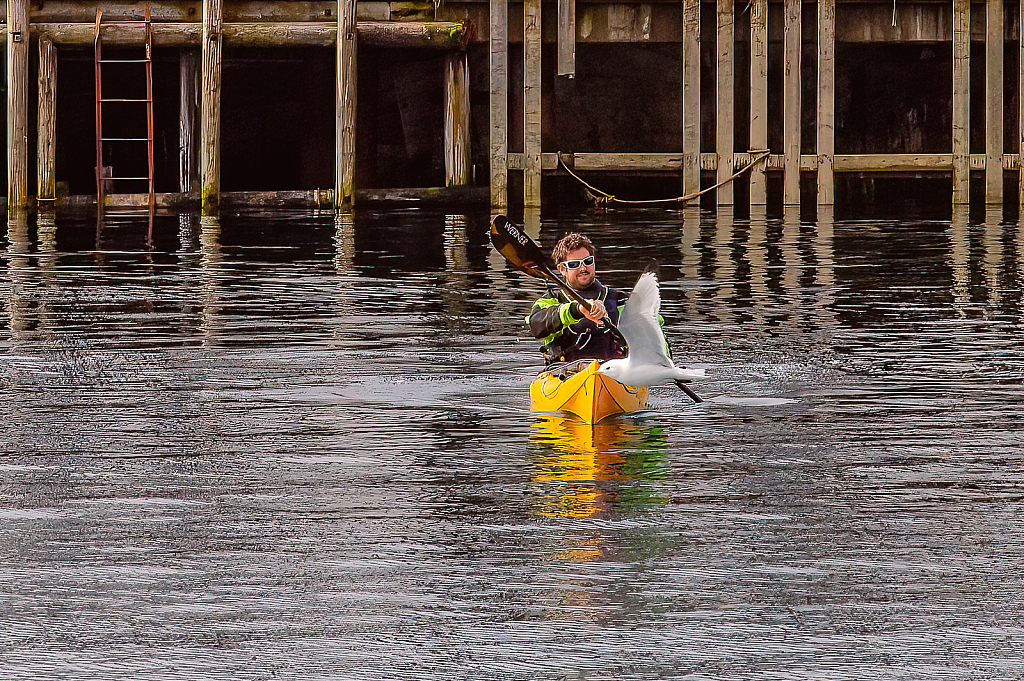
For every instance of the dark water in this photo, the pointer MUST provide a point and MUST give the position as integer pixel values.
(281, 447)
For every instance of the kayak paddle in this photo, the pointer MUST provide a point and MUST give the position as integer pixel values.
(523, 252)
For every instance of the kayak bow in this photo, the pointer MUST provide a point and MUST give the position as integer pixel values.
(584, 392)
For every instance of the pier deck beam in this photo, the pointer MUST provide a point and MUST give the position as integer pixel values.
(17, 105)
(498, 44)
(46, 147)
(431, 35)
(345, 119)
(209, 146)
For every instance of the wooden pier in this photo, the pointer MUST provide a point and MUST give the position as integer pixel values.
(527, 91)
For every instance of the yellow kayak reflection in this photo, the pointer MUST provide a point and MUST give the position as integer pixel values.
(589, 469)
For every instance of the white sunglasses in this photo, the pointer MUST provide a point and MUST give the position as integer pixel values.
(574, 264)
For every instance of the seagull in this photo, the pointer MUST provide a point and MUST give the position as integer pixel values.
(648, 362)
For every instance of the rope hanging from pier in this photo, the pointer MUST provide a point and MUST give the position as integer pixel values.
(602, 197)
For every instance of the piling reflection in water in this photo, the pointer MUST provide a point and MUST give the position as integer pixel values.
(774, 274)
(211, 314)
(344, 243)
(19, 301)
(586, 470)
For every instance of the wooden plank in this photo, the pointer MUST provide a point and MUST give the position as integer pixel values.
(457, 164)
(163, 11)
(567, 38)
(892, 162)
(644, 162)
(673, 162)
(424, 196)
(17, 105)
(345, 120)
(994, 101)
(309, 198)
(188, 77)
(725, 143)
(498, 153)
(164, 35)
(312, 198)
(365, 11)
(871, 22)
(792, 111)
(626, 23)
(627, 162)
(270, 35)
(532, 101)
(209, 136)
(402, 11)
(961, 101)
(438, 35)
(826, 100)
(691, 96)
(758, 95)
(46, 147)
(73, 11)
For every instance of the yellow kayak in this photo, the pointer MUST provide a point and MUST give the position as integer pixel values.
(586, 393)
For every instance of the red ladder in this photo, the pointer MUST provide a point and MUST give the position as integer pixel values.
(102, 179)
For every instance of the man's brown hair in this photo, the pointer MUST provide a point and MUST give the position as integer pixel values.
(571, 242)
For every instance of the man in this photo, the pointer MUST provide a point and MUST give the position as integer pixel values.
(569, 330)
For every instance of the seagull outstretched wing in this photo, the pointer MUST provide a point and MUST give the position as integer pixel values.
(639, 324)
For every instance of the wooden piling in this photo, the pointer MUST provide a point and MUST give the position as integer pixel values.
(691, 96)
(188, 76)
(345, 119)
(758, 96)
(209, 144)
(994, 101)
(792, 113)
(17, 105)
(826, 101)
(498, 43)
(532, 102)
(726, 96)
(567, 38)
(961, 101)
(457, 163)
(46, 147)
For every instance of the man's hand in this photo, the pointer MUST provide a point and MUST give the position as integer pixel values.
(596, 312)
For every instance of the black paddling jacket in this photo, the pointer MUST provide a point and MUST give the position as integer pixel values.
(567, 334)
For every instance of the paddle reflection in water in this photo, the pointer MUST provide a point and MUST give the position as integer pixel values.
(585, 470)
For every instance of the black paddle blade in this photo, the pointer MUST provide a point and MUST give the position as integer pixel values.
(518, 248)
